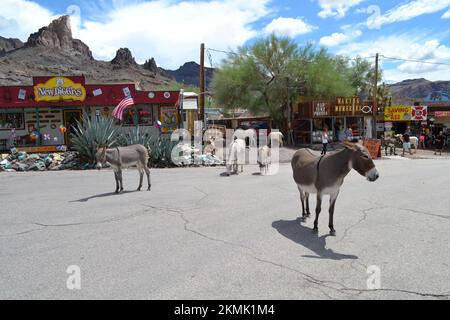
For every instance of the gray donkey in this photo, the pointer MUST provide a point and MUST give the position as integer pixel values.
(124, 157)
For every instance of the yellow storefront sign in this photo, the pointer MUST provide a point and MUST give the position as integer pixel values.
(398, 113)
(59, 89)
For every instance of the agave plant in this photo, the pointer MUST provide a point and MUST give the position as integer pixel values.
(90, 134)
(138, 135)
(161, 152)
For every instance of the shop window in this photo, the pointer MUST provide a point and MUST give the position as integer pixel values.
(145, 116)
(141, 114)
(12, 120)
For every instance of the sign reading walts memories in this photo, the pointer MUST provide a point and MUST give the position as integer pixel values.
(59, 89)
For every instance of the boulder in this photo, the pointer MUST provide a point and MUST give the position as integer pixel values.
(56, 157)
(5, 163)
(48, 160)
(41, 166)
(22, 167)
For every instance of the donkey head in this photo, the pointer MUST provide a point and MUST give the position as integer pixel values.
(361, 161)
(100, 156)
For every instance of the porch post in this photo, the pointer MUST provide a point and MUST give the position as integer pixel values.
(135, 116)
(38, 127)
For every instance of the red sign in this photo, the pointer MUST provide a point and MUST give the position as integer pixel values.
(373, 146)
(419, 113)
(440, 114)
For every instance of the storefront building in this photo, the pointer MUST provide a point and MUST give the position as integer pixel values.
(312, 117)
(43, 115)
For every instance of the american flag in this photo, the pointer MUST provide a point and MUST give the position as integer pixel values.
(118, 111)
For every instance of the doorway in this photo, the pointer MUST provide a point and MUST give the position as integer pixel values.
(70, 121)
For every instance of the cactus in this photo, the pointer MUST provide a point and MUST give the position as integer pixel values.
(90, 134)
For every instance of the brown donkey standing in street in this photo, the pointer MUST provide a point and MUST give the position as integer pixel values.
(324, 175)
(124, 157)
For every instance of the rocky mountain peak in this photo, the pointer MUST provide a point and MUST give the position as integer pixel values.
(58, 35)
(9, 44)
(123, 58)
(151, 65)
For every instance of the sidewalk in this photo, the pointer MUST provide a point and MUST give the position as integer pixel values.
(421, 154)
(286, 153)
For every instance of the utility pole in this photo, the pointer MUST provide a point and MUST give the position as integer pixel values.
(201, 111)
(289, 116)
(375, 104)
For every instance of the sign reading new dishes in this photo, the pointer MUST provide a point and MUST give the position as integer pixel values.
(398, 113)
(59, 89)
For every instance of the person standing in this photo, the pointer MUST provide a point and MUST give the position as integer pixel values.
(406, 143)
(440, 139)
(337, 129)
(348, 133)
(324, 141)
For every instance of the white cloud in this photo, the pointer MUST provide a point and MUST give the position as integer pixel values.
(335, 39)
(446, 15)
(404, 46)
(19, 18)
(407, 11)
(336, 8)
(172, 31)
(338, 38)
(290, 27)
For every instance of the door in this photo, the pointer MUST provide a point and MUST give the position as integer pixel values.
(70, 120)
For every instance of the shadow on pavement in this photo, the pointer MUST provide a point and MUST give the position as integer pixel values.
(102, 195)
(303, 235)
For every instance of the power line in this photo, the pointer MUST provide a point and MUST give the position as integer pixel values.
(418, 61)
(248, 55)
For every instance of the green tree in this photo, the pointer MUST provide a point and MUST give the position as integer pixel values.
(270, 74)
(258, 77)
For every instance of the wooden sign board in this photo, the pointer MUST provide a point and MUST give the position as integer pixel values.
(374, 147)
(38, 149)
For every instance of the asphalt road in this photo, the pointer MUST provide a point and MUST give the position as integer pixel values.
(200, 235)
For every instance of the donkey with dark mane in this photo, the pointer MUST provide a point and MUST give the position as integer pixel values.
(324, 175)
(123, 157)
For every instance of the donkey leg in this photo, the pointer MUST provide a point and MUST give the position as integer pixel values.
(318, 209)
(333, 198)
(119, 175)
(117, 181)
(147, 172)
(141, 176)
(302, 199)
(308, 214)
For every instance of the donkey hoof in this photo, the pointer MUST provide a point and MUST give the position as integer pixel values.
(333, 233)
(148, 189)
(315, 231)
(308, 215)
(302, 219)
(139, 189)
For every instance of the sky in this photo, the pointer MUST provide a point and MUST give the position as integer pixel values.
(171, 31)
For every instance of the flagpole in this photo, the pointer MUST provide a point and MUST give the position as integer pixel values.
(181, 108)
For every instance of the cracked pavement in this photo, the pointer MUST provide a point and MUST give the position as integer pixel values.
(199, 235)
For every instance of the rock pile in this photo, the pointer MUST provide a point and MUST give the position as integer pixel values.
(21, 161)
